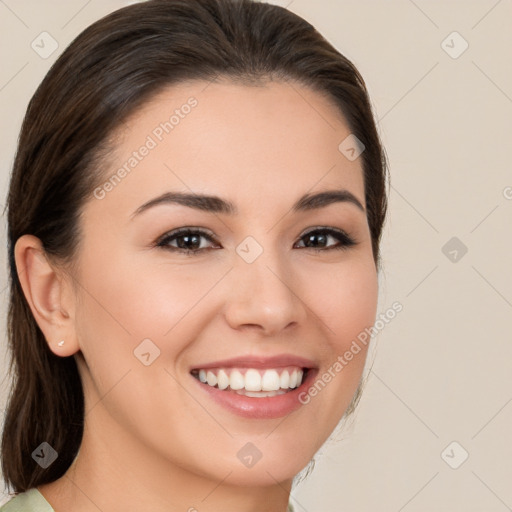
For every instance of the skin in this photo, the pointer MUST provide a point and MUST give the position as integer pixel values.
(150, 435)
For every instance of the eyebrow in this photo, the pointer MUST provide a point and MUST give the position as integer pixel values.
(215, 204)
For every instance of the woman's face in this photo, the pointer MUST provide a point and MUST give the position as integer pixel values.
(261, 291)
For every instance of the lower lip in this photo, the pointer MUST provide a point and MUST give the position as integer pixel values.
(259, 408)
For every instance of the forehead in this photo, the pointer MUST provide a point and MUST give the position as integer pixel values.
(248, 143)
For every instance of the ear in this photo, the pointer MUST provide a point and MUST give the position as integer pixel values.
(49, 295)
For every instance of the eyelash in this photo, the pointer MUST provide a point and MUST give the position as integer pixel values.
(345, 241)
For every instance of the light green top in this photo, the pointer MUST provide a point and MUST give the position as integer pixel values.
(29, 501)
(33, 501)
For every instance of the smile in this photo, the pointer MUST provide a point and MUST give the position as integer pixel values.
(253, 382)
(256, 387)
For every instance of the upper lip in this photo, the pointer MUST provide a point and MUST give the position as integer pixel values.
(259, 362)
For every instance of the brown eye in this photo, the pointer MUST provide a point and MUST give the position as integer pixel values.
(317, 239)
(187, 240)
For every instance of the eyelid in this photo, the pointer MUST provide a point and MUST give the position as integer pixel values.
(324, 228)
(183, 230)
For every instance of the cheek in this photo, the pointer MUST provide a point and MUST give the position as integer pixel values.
(126, 302)
(126, 297)
(346, 301)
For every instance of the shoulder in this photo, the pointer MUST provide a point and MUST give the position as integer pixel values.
(29, 501)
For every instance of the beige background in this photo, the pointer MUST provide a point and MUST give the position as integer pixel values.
(442, 367)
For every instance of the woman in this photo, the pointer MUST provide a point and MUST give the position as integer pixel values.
(194, 219)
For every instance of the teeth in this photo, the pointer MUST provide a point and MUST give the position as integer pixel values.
(211, 378)
(222, 379)
(270, 381)
(252, 380)
(257, 383)
(285, 379)
(293, 379)
(261, 394)
(236, 380)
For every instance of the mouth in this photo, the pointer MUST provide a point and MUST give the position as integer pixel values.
(256, 388)
(253, 382)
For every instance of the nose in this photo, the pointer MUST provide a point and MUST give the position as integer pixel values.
(264, 296)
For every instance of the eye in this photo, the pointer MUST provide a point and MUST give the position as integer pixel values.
(322, 235)
(188, 240)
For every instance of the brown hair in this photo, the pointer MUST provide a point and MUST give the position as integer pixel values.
(104, 75)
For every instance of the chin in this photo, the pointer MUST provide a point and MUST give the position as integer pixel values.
(263, 475)
(260, 468)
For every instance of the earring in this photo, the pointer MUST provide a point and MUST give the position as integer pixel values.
(60, 343)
